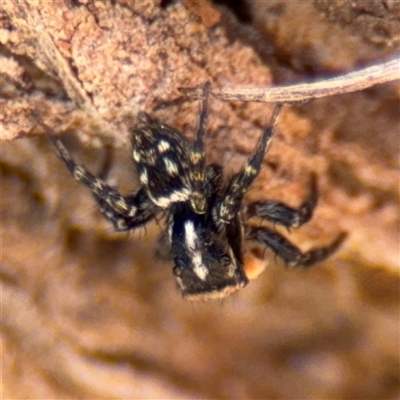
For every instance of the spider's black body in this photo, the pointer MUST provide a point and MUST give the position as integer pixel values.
(205, 225)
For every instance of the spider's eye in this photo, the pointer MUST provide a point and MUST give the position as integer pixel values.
(225, 260)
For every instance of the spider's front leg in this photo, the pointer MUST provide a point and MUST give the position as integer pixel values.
(124, 212)
(280, 213)
(197, 158)
(289, 253)
(231, 201)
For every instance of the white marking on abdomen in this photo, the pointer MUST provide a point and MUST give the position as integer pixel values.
(144, 178)
(193, 248)
(163, 146)
(198, 267)
(170, 166)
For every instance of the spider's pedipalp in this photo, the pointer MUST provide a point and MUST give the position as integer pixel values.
(124, 212)
(279, 213)
(239, 183)
(289, 253)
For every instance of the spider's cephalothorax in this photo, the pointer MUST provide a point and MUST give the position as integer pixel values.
(205, 225)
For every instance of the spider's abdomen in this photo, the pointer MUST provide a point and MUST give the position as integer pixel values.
(206, 264)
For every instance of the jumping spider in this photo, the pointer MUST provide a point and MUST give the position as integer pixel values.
(206, 225)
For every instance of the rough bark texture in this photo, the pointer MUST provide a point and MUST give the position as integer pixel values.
(89, 313)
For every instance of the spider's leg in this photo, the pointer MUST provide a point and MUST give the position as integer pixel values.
(289, 253)
(124, 212)
(197, 157)
(231, 201)
(283, 214)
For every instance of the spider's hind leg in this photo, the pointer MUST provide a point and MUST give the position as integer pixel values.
(124, 212)
(289, 253)
(283, 214)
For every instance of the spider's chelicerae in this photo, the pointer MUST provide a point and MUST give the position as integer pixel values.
(205, 223)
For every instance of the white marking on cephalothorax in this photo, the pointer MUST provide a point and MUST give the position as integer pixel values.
(170, 166)
(136, 155)
(144, 177)
(163, 146)
(174, 197)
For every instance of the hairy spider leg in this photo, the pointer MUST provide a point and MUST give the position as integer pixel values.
(198, 200)
(124, 212)
(289, 253)
(280, 213)
(231, 201)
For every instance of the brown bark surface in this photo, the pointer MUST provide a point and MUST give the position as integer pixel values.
(89, 313)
